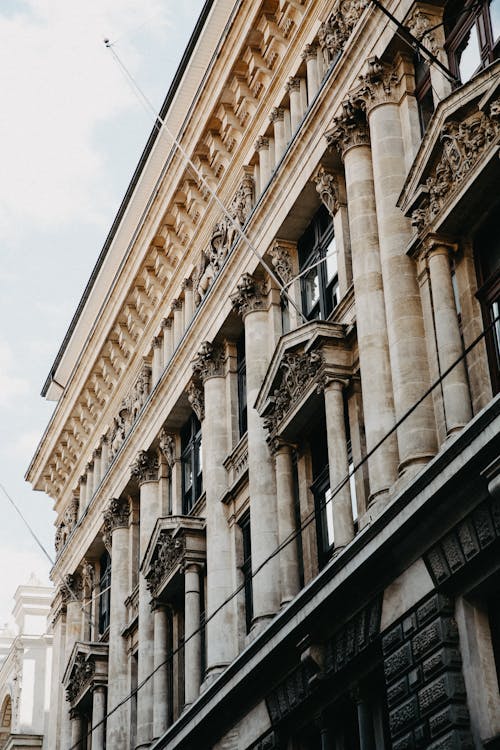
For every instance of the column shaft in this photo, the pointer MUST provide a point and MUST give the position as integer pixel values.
(370, 319)
(118, 660)
(178, 323)
(73, 634)
(261, 476)
(167, 341)
(405, 324)
(343, 527)
(455, 388)
(289, 564)
(98, 718)
(295, 104)
(76, 733)
(220, 651)
(192, 653)
(160, 679)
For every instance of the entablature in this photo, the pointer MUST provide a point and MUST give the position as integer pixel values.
(87, 669)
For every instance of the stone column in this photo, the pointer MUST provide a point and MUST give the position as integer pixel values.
(405, 324)
(192, 635)
(296, 111)
(116, 537)
(262, 147)
(343, 527)
(90, 481)
(82, 484)
(76, 731)
(455, 388)
(157, 366)
(98, 718)
(72, 594)
(187, 286)
(167, 340)
(288, 557)
(365, 724)
(250, 302)
(210, 367)
(58, 664)
(145, 471)
(350, 136)
(97, 455)
(178, 321)
(310, 55)
(160, 679)
(104, 456)
(277, 117)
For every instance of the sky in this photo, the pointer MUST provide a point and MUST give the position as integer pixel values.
(71, 133)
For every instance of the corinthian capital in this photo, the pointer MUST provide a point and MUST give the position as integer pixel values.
(379, 85)
(209, 362)
(250, 295)
(196, 398)
(327, 189)
(145, 467)
(116, 515)
(350, 129)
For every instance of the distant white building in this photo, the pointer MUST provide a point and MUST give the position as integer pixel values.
(25, 669)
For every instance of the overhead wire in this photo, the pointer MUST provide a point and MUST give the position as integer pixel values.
(320, 506)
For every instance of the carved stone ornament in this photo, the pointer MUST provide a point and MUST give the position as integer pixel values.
(261, 142)
(166, 445)
(72, 588)
(129, 411)
(336, 30)
(145, 467)
(277, 114)
(293, 84)
(421, 25)
(209, 362)
(350, 129)
(282, 262)
(463, 145)
(224, 235)
(378, 85)
(116, 516)
(87, 577)
(250, 295)
(310, 52)
(297, 372)
(81, 675)
(327, 189)
(196, 397)
(168, 553)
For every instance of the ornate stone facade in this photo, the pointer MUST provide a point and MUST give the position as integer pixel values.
(167, 556)
(145, 467)
(250, 295)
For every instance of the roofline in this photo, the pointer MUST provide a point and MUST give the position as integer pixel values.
(129, 192)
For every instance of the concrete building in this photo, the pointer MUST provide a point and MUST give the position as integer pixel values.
(26, 669)
(275, 453)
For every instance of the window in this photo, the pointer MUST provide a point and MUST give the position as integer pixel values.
(104, 592)
(472, 36)
(246, 568)
(423, 91)
(487, 254)
(318, 267)
(241, 369)
(192, 485)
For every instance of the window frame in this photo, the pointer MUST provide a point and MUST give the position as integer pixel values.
(246, 567)
(241, 376)
(472, 18)
(312, 248)
(191, 457)
(104, 609)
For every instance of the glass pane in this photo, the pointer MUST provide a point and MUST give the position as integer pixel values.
(328, 518)
(331, 260)
(188, 475)
(495, 18)
(469, 56)
(199, 457)
(352, 487)
(495, 312)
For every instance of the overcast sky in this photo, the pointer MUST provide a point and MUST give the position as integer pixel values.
(71, 133)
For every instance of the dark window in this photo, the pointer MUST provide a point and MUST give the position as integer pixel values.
(246, 568)
(487, 254)
(472, 36)
(423, 91)
(192, 485)
(321, 491)
(104, 592)
(318, 267)
(241, 369)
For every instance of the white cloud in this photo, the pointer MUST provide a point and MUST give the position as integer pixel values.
(24, 445)
(59, 83)
(21, 563)
(11, 385)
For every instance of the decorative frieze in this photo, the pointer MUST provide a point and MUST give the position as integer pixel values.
(336, 30)
(145, 467)
(464, 143)
(250, 295)
(353, 637)
(81, 676)
(166, 445)
(298, 371)
(209, 362)
(196, 397)
(129, 411)
(327, 189)
(168, 554)
(422, 25)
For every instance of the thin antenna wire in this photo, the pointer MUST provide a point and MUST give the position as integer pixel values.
(200, 176)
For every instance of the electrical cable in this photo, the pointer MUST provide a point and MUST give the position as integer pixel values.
(303, 525)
